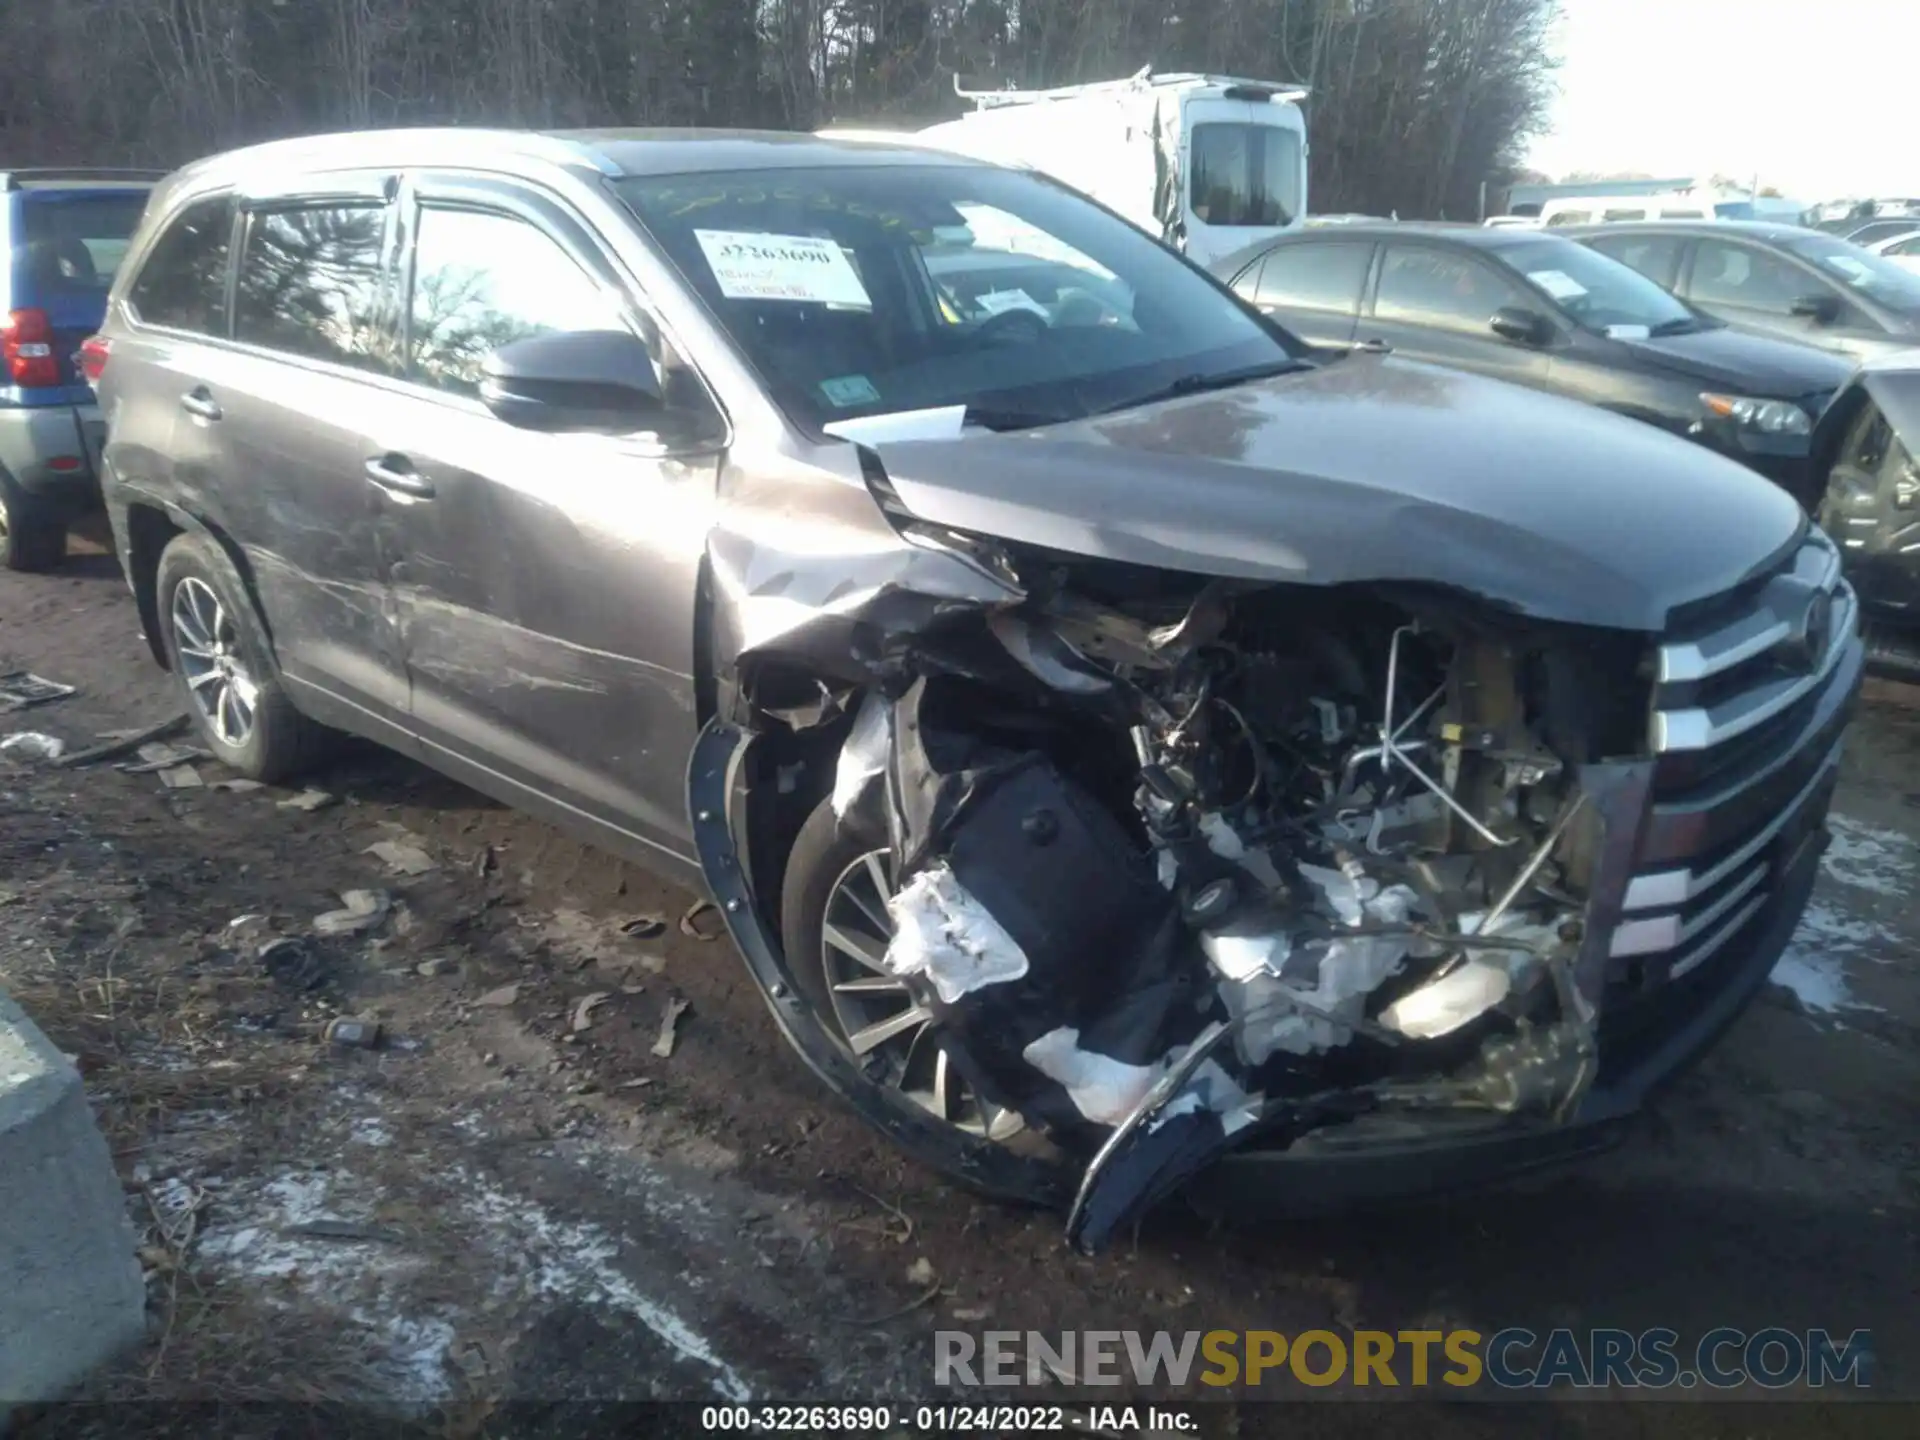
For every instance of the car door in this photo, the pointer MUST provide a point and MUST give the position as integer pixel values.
(1872, 507)
(1761, 290)
(281, 409)
(544, 584)
(1313, 288)
(1436, 303)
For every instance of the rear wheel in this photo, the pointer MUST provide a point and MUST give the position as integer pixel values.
(224, 666)
(33, 535)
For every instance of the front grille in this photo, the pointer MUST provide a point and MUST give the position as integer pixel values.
(1749, 702)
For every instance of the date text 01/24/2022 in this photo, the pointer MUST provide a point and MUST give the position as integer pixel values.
(939, 1419)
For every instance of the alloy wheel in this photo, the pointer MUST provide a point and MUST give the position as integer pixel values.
(224, 690)
(892, 1036)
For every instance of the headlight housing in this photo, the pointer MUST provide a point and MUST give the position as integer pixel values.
(1767, 417)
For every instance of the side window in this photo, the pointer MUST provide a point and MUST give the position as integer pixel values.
(1315, 277)
(1433, 287)
(1247, 284)
(1615, 216)
(1751, 279)
(1655, 256)
(1905, 247)
(183, 284)
(309, 284)
(481, 280)
(1568, 217)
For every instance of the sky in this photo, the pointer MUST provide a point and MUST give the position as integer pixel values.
(1820, 97)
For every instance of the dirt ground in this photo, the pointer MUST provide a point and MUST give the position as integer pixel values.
(516, 1198)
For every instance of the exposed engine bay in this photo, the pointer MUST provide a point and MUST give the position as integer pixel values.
(1174, 862)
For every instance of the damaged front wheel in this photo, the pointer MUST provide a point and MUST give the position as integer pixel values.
(835, 928)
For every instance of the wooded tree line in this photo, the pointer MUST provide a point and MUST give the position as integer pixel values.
(1415, 101)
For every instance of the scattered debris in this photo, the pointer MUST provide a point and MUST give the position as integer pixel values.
(438, 965)
(19, 689)
(124, 742)
(401, 858)
(583, 1010)
(921, 1272)
(32, 745)
(676, 1007)
(352, 1033)
(156, 756)
(702, 921)
(308, 800)
(899, 1217)
(969, 1314)
(502, 997)
(239, 785)
(483, 863)
(181, 777)
(644, 927)
(364, 910)
(292, 962)
(637, 1084)
(343, 1230)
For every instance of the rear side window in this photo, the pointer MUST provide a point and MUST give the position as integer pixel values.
(309, 284)
(481, 280)
(1569, 217)
(1615, 216)
(1655, 256)
(75, 242)
(1315, 277)
(183, 284)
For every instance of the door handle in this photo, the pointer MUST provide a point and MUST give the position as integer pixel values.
(1373, 347)
(395, 474)
(199, 402)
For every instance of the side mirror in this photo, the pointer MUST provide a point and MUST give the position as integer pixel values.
(1526, 327)
(1821, 309)
(601, 381)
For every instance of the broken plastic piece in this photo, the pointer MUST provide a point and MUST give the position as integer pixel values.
(1442, 1006)
(19, 689)
(863, 758)
(948, 936)
(1103, 1089)
(364, 910)
(32, 745)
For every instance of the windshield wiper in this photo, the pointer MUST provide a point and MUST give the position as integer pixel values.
(1004, 417)
(1679, 325)
(1200, 383)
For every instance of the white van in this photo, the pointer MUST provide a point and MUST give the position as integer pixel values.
(1206, 163)
(1618, 209)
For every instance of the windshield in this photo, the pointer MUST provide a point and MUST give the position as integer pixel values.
(1244, 174)
(1861, 270)
(875, 289)
(1595, 292)
(75, 241)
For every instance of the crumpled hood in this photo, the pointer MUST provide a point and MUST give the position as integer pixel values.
(1746, 364)
(1373, 469)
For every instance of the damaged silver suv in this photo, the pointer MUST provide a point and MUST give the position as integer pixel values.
(1128, 751)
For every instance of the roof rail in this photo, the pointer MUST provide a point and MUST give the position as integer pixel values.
(1141, 79)
(16, 179)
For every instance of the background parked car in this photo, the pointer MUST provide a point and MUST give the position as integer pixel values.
(1868, 446)
(1902, 248)
(62, 234)
(1544, 311)
(1618, 209)
(1776, 280)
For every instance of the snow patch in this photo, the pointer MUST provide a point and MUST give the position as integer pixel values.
(575, 1260)
(1813, 966)
(1869, 857)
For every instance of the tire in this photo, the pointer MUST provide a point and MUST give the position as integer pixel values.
(33, 536)
(821, 851)
(278, 742)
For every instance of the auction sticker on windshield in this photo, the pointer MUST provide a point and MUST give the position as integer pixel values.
(1557, 283)
(802, 268)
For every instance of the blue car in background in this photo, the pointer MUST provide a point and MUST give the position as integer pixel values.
(62, 236)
